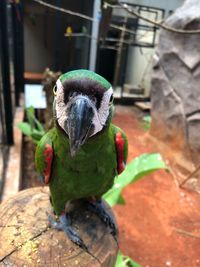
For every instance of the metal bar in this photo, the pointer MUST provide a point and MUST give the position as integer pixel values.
(95, 33)
(57, 33)
(17, 23)
(119, 54)
(137, 5)
(5, 72)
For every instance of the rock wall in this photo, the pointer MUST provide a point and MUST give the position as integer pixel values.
(175, 89)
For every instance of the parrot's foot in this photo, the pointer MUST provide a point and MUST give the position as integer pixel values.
(99, 208)
(64, 224)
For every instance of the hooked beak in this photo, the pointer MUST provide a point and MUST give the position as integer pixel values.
(79, 123)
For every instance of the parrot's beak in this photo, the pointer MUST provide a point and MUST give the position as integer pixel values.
(79, 122)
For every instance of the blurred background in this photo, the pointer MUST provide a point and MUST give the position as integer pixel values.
(121, 41)
(66, 35)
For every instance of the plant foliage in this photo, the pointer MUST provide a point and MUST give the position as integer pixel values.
(32, 128)
(125, 261)
(134, 171)
(146, 122)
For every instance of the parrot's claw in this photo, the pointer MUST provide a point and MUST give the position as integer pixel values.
(64, 224)
(99, 208)
(54, 224)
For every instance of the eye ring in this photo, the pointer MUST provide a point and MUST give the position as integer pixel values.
(111, 99)
(55, 90)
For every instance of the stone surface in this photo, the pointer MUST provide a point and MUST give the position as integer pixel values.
(175, 92)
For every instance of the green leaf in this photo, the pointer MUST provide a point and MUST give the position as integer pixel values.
(146, 122)
(36, 135)
(113, 196)
(120, 260)
(135, 170)
(121, 200)
(30, 116)
(39, 126)
(131, 263)
(30, 110)
(125, 261)
(147, 118)
(33, 128)
(141, 166)
(35, 124)
(25, 128)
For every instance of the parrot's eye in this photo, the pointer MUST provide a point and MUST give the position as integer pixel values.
(111, 100)
(94, 100)
(55, 90)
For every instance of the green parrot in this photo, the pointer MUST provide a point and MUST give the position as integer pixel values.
(81, 155)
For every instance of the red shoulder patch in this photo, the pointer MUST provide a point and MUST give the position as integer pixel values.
(48, 156)
(120, 143)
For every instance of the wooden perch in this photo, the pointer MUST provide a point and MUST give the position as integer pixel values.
(27, 240)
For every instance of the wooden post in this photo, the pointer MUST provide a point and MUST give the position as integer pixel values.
(27, 240)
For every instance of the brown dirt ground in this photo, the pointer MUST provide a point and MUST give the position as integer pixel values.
(160, 223)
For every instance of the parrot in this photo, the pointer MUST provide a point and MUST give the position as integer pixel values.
(82, 154)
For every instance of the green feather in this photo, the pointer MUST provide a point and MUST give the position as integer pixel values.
(92, 170)
(90, 173)
(40, 161)
(78, 74)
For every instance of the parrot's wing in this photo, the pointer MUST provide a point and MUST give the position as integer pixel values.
(121, 144)
(44, 157)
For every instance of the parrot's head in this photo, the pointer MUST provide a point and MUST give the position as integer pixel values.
(82, 106)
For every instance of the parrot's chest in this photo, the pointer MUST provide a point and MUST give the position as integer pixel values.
(90, 172)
